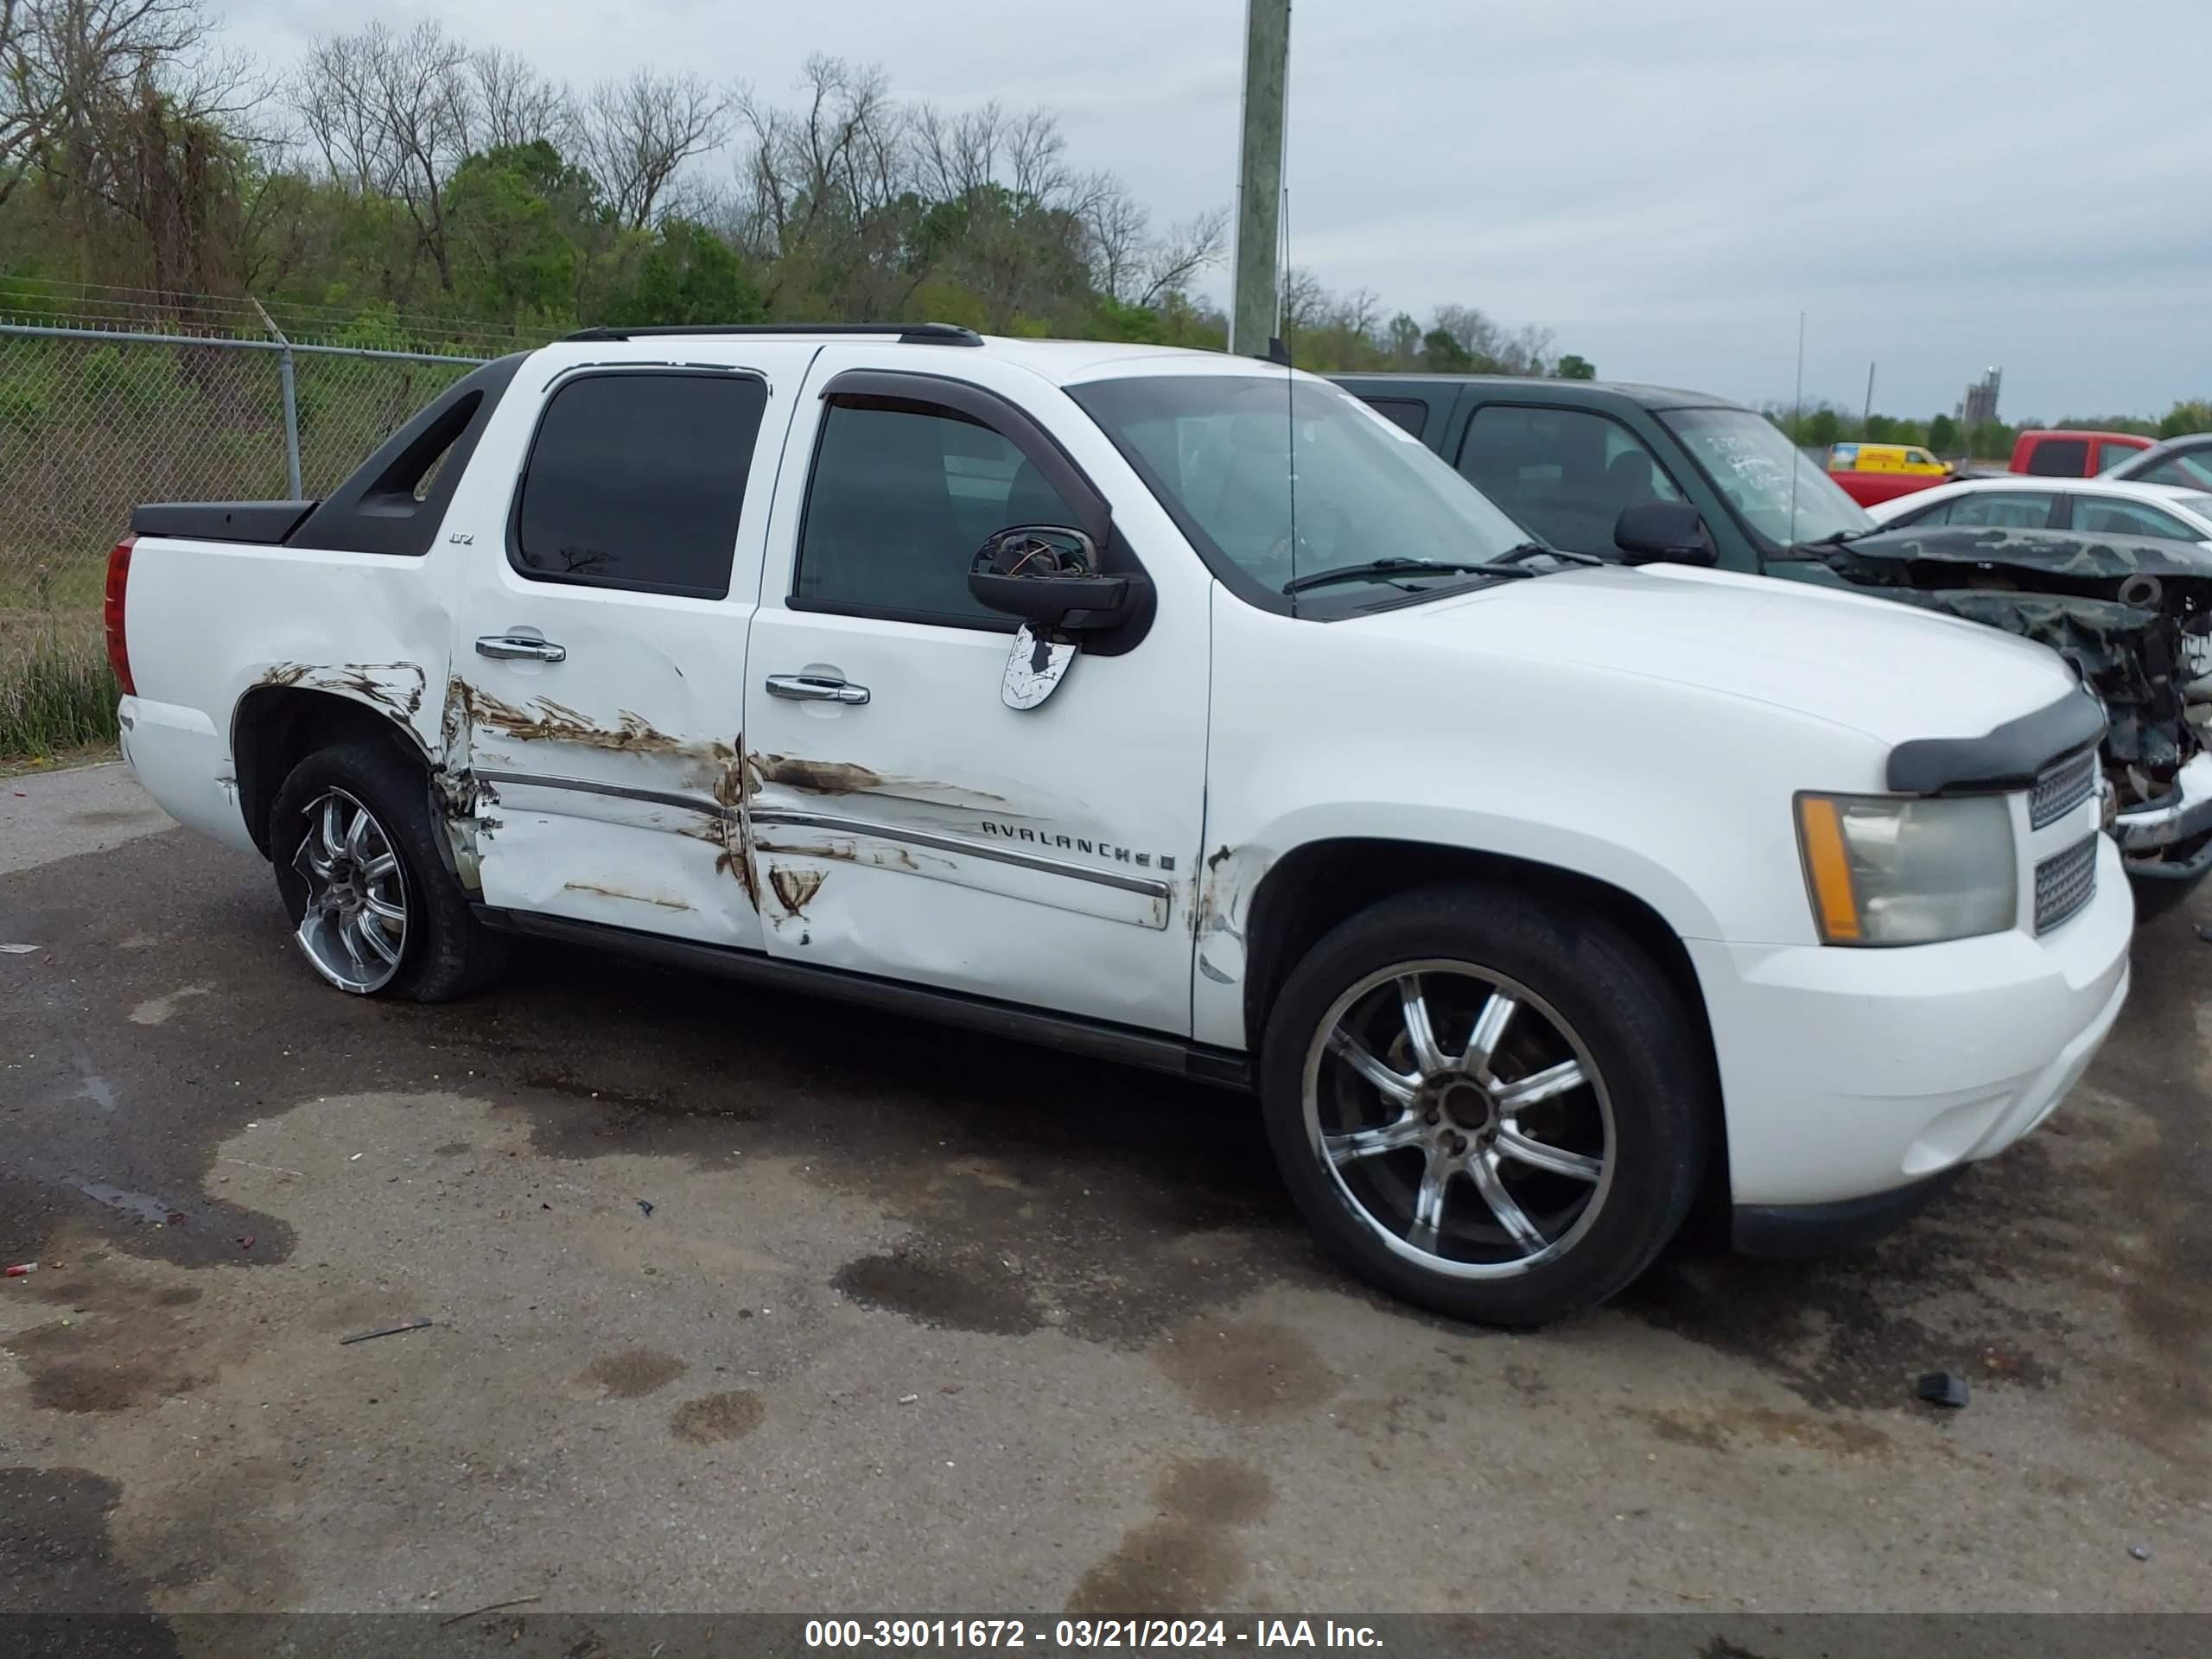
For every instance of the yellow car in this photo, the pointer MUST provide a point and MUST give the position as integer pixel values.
(1884, 458)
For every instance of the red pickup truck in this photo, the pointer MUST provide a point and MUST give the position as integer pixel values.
(2073, 454)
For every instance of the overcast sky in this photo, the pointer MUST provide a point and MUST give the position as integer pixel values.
(1664, 184)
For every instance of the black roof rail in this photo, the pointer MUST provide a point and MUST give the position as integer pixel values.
(911, 333)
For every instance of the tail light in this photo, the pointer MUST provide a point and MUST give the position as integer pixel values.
(118, 647)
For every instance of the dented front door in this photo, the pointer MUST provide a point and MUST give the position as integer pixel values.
(906, 822)
(600, 668)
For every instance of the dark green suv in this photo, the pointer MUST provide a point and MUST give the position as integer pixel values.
(1567, 458)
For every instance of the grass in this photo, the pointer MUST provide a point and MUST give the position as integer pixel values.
(57, 695)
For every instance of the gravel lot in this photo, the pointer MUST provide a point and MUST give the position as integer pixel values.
(922, 1322)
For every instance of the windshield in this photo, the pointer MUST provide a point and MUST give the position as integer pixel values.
(2191, 471)
(1751, 462)
(1215, 449)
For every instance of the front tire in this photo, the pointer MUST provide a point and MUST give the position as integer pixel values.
(1489, 1104)
(374, 909)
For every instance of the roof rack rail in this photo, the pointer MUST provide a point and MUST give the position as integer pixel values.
(911, 333)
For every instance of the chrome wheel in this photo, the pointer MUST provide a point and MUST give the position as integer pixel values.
(354, 927)
(1461, 1118)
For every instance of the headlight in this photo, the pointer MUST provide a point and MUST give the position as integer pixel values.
(1885, 870)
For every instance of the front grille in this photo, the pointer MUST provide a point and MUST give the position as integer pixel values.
(2064, 882)
(2062, 788)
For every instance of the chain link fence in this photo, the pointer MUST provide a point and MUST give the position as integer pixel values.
(93, 421)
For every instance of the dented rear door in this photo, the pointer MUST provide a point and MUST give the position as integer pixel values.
(598, 692)
(905, 820)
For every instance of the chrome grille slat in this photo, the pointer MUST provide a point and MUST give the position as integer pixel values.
(2061, 788)
(2065, 882)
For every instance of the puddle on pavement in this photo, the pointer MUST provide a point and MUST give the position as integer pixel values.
(144, 1205)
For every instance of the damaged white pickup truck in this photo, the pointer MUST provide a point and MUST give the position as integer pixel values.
(1012, 684)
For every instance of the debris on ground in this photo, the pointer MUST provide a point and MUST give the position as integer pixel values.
(2140, 1552)
(21, 1268)
(389, 1330)
(246, 1243)
(1944, 1389)
(909, 1399)
(25, 950)
(646, 1205)
(519, 1601)
(2204, 931)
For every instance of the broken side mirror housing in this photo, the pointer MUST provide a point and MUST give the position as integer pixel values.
(1671, 533)
(1048, 576)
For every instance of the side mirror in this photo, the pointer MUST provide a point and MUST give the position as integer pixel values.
(1670, 532)
(1047, 575)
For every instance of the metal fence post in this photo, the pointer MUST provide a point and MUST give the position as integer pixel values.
(291, 404)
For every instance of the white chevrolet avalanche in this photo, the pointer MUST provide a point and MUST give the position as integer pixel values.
(1174, 708)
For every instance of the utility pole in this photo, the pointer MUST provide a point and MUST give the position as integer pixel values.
(1867, 414)
(1255, 302)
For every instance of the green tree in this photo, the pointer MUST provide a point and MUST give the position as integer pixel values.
(1990, 440)
(688, 275)
(1573, 367)
(1943, 435)
(1823, 429)
(1879, 428)
(2181, 419)
(1441, 354)
(511, 255)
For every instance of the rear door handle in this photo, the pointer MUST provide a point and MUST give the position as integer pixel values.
(815, 688)
(509, 647)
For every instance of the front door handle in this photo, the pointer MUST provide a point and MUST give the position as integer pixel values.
(509, 647)
(815, 688)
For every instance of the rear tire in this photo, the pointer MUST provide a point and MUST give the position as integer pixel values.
(374, 909)
(1516, 1137)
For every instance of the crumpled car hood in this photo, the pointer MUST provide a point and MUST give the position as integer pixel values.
(2128, 612)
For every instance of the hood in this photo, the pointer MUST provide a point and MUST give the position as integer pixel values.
(2095, 561)
(1892, 672)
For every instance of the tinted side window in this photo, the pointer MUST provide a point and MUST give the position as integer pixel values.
(1564, 473)
(1409, 414)
(900, 499)
(2002, 510)
(2060, 458)
(635, 480)
(2102, 516)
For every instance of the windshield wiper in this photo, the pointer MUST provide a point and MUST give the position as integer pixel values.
(1839, 537)
(1383, 569)
(1513, 556)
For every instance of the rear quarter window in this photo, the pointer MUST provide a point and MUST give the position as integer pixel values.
(2059, 458)
(1408, 414)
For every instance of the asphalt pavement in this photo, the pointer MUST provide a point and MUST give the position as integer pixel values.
(742, 1301)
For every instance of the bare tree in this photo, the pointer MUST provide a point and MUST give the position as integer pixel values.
(63, 61)
(393, 114)
(1195, 246)
(634, 135)
(514, 104)
(1117, 229)
(830, 185)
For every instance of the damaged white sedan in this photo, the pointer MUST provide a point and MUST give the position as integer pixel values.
(1174, 708)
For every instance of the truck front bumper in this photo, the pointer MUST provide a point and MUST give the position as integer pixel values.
(1851, 1075)
(2166, 841)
